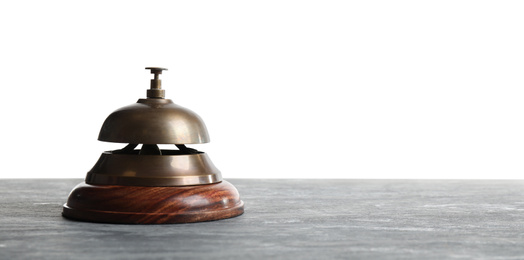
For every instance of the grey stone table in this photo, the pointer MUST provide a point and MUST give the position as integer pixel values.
(285, 219)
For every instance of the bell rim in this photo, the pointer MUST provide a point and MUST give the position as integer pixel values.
(153, 170)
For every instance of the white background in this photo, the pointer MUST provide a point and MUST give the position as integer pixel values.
(288, 89)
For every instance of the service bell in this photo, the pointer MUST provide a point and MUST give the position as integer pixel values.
(150, 185)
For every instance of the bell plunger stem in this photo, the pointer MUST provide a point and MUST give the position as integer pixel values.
(156, 90)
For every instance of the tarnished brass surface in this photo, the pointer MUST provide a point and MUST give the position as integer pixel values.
(154, 121)
(169, 169)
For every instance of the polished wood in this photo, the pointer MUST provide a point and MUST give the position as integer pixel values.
(153, 205)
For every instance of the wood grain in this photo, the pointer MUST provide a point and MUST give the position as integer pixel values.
(153, 205)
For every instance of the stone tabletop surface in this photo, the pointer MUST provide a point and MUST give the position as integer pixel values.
(285, 219)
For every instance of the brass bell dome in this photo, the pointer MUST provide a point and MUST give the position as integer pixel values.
(154, 121)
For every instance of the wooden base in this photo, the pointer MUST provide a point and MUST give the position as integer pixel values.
(153, 205)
